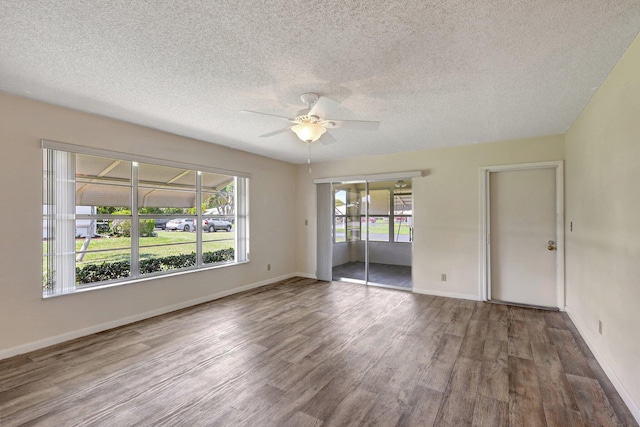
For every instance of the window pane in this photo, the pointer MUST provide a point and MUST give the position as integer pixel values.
(340, 202)
(378, 229)
(219, 218)
(218, 196)
(167, 257)
(402, 203)
(100, 257)
(169, 191)
(104, 266)
(347, 204)
(402, 229)
(353, 228)
(166, 190)
(379, 202)
(358, 205)
(220, 248)
(378, 205)
(166, 176)
(103, 183)
(170, 249)
(163, 201)
(403, 211)
(339, 212)
(339, 230)
(103, 195)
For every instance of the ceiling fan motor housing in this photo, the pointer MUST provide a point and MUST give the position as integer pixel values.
(305, 118)
(309, 99)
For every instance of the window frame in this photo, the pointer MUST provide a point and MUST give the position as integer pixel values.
(241, 242)
(342, 216)
(351, 234)
(392, 224)
(365, 218)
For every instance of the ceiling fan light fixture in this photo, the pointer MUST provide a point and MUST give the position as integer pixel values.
(309, 132)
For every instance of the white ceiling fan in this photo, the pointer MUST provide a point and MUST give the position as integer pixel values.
(312, 123)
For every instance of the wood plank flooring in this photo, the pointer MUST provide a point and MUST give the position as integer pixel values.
(307, 353)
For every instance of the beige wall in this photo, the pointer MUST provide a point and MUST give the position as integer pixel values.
(27, 320)
(603, 202)
(446, 206)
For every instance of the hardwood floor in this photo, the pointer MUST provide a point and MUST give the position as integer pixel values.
(309, 353)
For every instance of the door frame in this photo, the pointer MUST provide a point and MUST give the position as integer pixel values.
(324, 208)
(485, 221)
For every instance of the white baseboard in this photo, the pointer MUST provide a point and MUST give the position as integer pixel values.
(305, 275)
(446, 294)
(36, 345)
(633, 406)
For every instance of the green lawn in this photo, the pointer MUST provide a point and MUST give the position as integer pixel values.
(379, 227)
(175, 243)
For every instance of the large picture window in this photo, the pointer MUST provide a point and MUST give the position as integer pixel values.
(108, 219)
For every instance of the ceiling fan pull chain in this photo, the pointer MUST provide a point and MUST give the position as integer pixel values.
(309, 155)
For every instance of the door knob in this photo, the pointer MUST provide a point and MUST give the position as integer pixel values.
(551, 245)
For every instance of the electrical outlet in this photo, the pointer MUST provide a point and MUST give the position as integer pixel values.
(443, 277)
(268, 267)
(600, 326)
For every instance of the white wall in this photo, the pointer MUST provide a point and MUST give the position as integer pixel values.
(340, 253)
(390, 253)
(379, 252)
(27, 320)
(603, 203)
(446, 206)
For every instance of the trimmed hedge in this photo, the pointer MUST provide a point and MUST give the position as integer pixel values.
(122, 227)
(115, 270)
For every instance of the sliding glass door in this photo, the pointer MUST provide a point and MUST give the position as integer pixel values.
(348, 245)
(373, 232)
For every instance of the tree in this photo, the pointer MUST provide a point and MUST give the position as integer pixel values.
(222, 200)
(108, 210)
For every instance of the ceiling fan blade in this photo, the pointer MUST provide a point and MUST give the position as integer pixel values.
(266, 114)
(275, 132)
(327, 139)
(323, 107)
(355, 124)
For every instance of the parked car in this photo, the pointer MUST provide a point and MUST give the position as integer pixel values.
(183, 224)
(215, 224)
(161, 223)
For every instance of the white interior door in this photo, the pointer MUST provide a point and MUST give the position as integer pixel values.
(522, 220)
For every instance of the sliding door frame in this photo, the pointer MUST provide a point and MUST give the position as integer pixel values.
(324, 193)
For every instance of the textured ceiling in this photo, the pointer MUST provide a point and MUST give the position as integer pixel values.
(434, 73)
